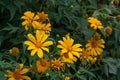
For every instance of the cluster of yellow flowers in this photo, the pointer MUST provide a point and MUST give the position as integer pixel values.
(69, 52)
(37, 22)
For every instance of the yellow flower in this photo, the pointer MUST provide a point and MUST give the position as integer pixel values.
(85, 54)
(14, 51)
(67, 47)
(65, 58)
(67, 78)
(30, 18)
(43, 65)
(108, 31)
(42, 26)
(56, 64)
(42, 16)
(95, 23)
(18, 73)
(38, 43)
(95, 46)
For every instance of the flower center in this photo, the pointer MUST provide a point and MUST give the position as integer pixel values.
(43, 63)
(69, 48)
(66, 55)
(57, 64)
(38, 44)
(94, 43)
(17, 75)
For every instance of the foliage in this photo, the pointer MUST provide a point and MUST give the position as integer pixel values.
(67, 17)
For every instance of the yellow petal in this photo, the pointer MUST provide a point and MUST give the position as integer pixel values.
(28, 43)
(40, 53)
(44, 37)
(70, 55)
(26, 27)
(32, 38)
(24, 23)
(26, 78)
(35, 24)
(36, 17)
(76, 53)
(46, 49)
(33, 52)
(63, 51)
(93, 52)
(62, 43)
(25, 70)
(48, 43)
(76, 46)
(10, 73)
(102, 41)
(38, 36)
(60, 46)
(38, 65)
(29, 14)
(31, 47)
(24, 17)
(12, 78)
(21, 66)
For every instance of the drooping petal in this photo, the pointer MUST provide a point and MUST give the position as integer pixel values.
(70, 55)
(29, 14)
(33, 52)
(32, 38)
(64, 51)
(44, 37)
(36, 17)
(28, 43)
(46, 49)
(62, 43)
(38, 36)
(48, 43)
(76, 53)
(12, 78)
(21, 66)
(40, 53)
(25, 70)
(26, 78)
(76, 46)
(31, 47)
(10, 73)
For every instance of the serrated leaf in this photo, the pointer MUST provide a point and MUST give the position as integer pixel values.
(81, 77)
(86, 71)
(88, 33)
(10, 28)
(73, 66)
(12, 9)
(53, 2)
(112, 69)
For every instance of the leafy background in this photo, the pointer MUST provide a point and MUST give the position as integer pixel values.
(66, 16)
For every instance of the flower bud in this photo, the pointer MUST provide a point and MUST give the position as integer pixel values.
(14, 51)
(108, 31)
(116, 2)
(118, 18)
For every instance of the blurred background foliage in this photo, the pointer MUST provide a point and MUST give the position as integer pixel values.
(66, 16)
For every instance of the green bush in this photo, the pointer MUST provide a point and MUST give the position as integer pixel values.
(67, 18)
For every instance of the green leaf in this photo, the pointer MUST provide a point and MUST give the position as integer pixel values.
(10, 28)
(86, 71)
(81, 77)
(73, 66)
(118, 74)
(106, 69)
(112, 69)
(88, 33)
(12, 9)
(53, 2)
